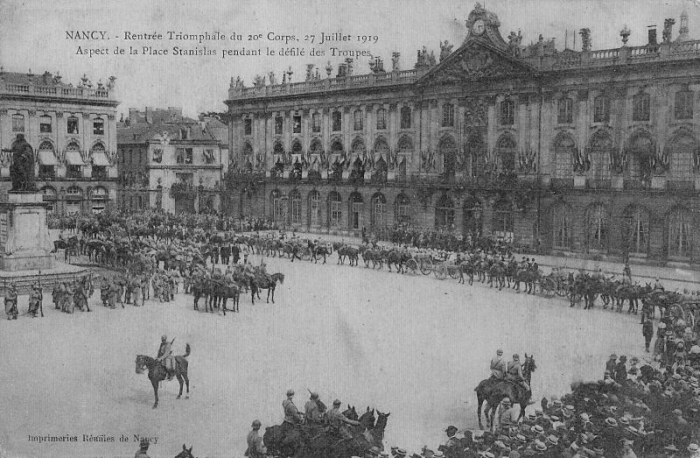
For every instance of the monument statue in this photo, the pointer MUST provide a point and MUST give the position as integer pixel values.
(22, 168)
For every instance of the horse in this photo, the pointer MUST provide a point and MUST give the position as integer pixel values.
(321, 250)
(494, 391)
(185, 453)
(466, 267)
(71, 247)
(498, 272)
(528, 276)
(268, 284)
(157, 372)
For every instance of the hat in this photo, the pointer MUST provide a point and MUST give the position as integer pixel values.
(400, 452)
(164, 337)
(624, 421)
(584, 416)
(499, 351)
(451, 428)
(613, 356)
(671, 448)
(693, 448)
(256, 423)
(314, 395)
(552, 439)
(662, 325)
(506, 400)
(537, 429)
(336, 402)
(374, 450)
(677, 412)
(290, 392)
(610, 421)
(539, 445)
(500, 444)
(554, 418)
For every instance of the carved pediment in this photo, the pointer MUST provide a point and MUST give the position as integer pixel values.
(475, 61)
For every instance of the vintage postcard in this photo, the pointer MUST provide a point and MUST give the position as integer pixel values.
(333, 229)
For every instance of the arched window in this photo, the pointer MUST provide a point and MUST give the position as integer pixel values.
(277, 149)
(564, 150)
(378, 211)
(314, 202)
(447, 150)
(295, 207)
(597, 228)
(444, 212)
(635, 230)
(336, 147)
(74, 199)
(601, 146)
(641, 154)
(402, 210)
(47, 160)
(358, 146)
(680, 233)
(355, 203)
(472, 216)
(683, 149)
(278, 207)
(503, 222)
(316, 146)
(506, 153)
(561, 227)
(476, 153)
(247, 149)
(335, 213)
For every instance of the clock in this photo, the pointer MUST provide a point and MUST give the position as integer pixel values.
(478, 27)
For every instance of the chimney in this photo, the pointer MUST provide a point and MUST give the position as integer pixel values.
(149, 115)
(133, 114)
(652, 35)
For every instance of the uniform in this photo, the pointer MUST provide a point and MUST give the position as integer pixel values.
(165, 354)
(338, 421)
(313, 413)
(498, 368)
(256, 449)
(11, 303)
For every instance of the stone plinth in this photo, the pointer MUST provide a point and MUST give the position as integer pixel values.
(25, 243)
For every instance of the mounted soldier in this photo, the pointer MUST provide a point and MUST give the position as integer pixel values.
(338, 421)
(292, 417)
(498, 366)
(514, 373)
(314, 410)
(165, 355)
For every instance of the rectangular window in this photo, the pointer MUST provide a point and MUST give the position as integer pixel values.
(98, 127)
(188, 155)
(507, 113)
(336, 214)
(337, 121)
(358, 120)
(99, 172)
(381, 119)
(640, 107)
(73, 171)
(279, 125)
(187, 178)
(566, 111)
(248, 129)
(180, 155)
(296, 211)
(45, 124)
(17, 123)
(684, 105)
(406, 118)
(601, 109)
(448, 115)
(316, 122)
(297, 125)
(47, 172)
(72, 126)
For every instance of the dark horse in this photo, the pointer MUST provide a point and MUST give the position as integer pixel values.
(494, 391)
(185, 453)
(269, 285)
(157, 372)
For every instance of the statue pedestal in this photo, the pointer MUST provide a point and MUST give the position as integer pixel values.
(25, 243)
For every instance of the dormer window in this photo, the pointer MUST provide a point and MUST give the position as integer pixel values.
(183, 134)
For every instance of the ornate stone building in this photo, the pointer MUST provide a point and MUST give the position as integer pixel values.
(591, 151)
(73, 133)
(169, 161)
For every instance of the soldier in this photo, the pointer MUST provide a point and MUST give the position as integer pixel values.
(35, 298)
(312, 410)
(291, 414)
(452, 442)
(611, 364)
(498, 366)
(56, 295)
(11, 302)
(337, 421)
(648, 333)
(515, 372)
(165, 354)
(255, 449)
(68, 305)
(143, 449)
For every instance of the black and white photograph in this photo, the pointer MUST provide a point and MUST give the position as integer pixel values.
(367, 229)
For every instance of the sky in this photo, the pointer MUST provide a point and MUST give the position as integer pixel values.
(33, 35)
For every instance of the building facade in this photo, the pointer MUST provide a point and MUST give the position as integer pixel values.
(73, 133)
(593, 152)
(169, 162)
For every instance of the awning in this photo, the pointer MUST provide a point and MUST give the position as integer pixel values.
(47, 157)
(74, 158)
(99, 159)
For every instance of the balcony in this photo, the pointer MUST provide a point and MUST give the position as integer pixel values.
(62, 92)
